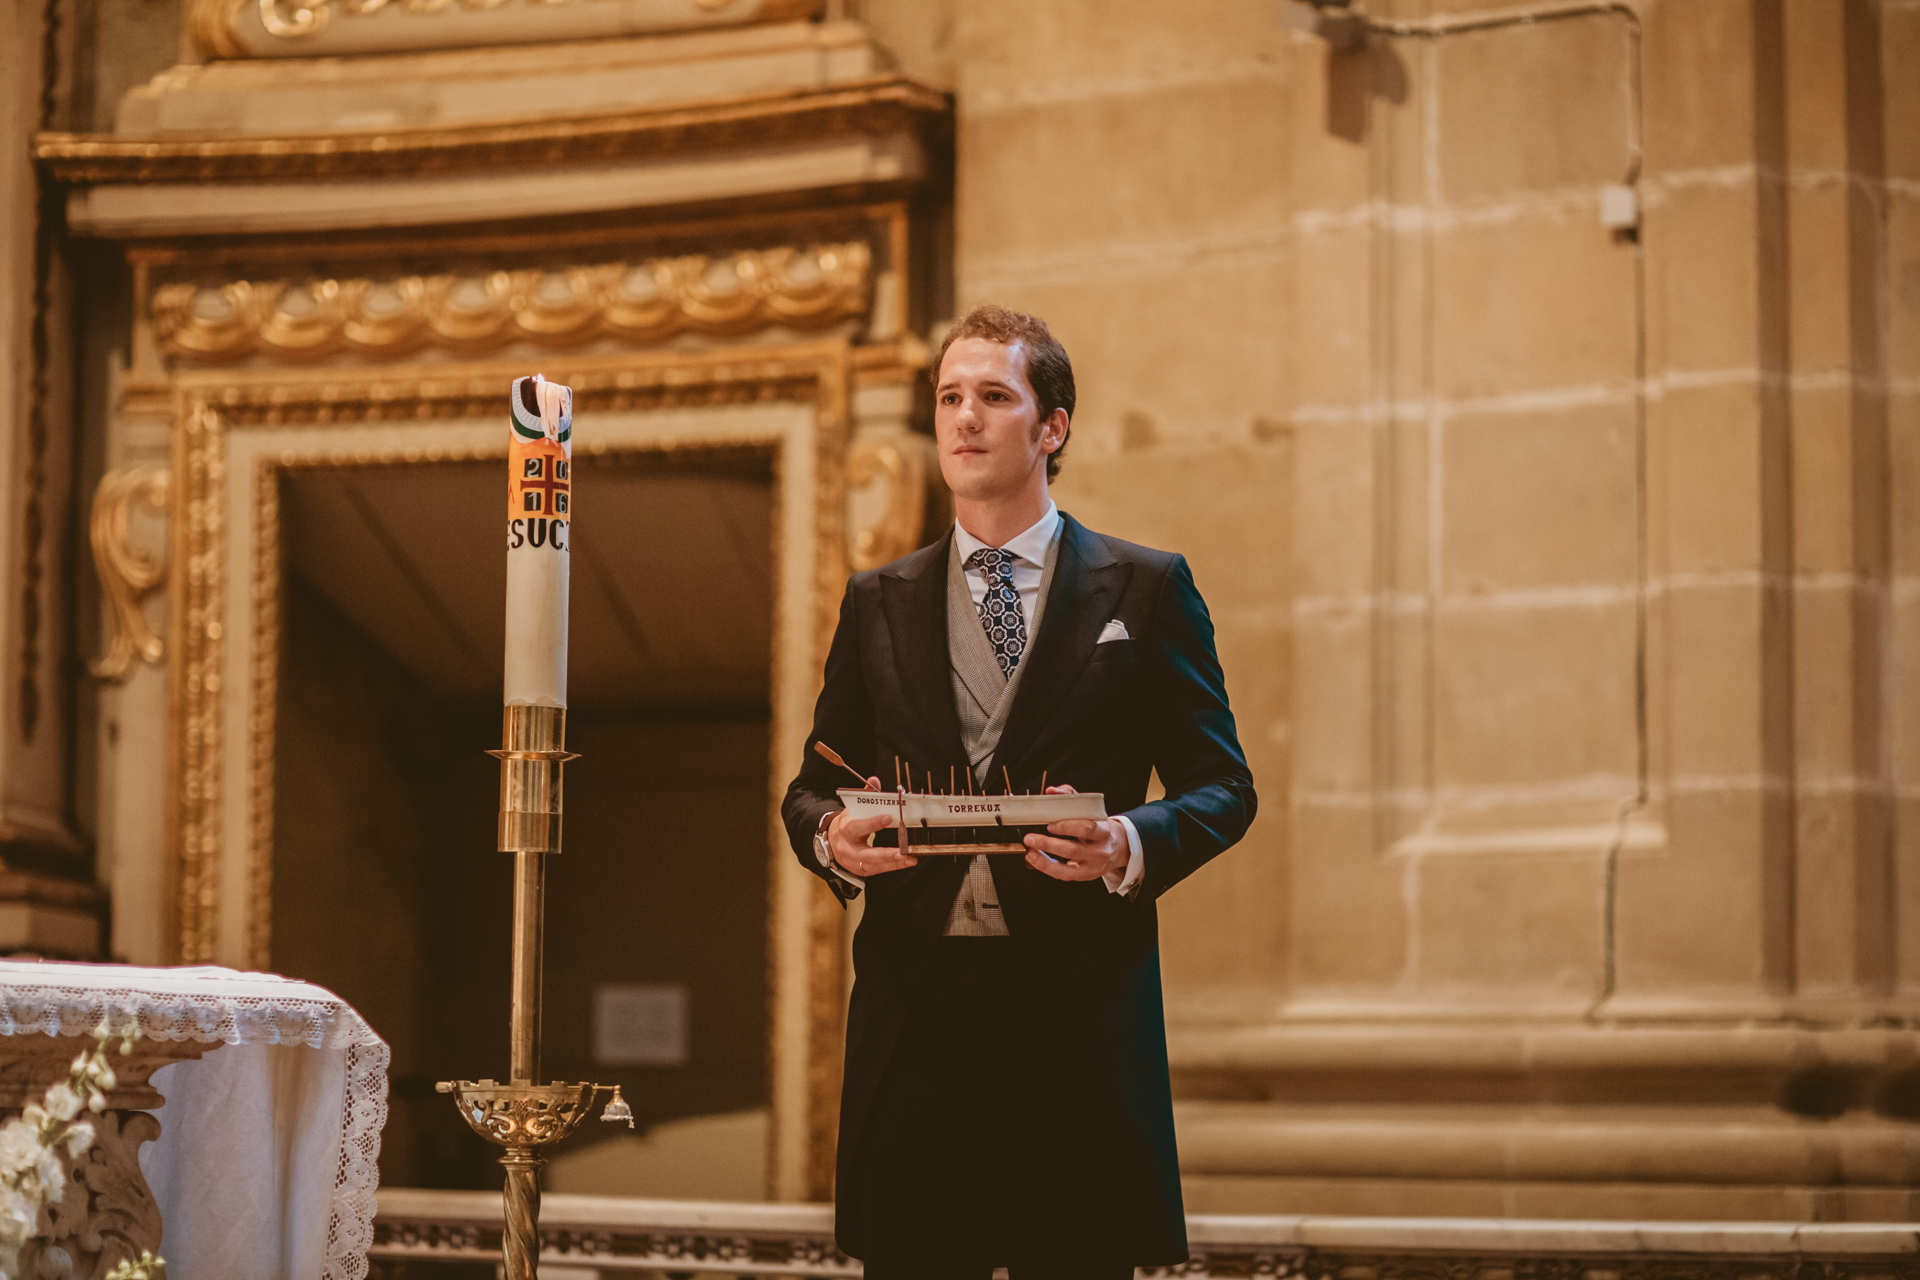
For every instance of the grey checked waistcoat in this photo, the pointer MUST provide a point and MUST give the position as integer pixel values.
(983, 697)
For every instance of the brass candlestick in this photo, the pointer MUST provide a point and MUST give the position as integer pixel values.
(525, 1115)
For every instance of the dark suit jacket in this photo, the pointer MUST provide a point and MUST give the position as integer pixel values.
(1101, 717)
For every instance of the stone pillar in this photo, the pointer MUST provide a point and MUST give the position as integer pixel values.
(1900, 189)
(1836, 268)
(1769, 466)
(47, 905)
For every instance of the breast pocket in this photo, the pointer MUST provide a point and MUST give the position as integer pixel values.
(1108, 691)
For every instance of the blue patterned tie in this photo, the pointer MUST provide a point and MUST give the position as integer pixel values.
(1000, 608)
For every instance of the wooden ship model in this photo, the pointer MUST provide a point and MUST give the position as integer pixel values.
(962, 821)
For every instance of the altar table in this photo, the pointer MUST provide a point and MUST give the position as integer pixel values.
(265, 1166)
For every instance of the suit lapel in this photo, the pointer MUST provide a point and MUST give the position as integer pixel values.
(915, 602)
(1087, 584)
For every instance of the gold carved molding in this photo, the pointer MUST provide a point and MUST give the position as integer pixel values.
(884, 105)
(194, 703)
(900, 466)
(826, 1039)
(645, 302)
(269, 570)
(126, 574)
(213, 407)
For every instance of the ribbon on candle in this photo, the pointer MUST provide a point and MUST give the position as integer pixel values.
(539, 528)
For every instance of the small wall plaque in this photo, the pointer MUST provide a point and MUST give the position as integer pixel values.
(640, 1024)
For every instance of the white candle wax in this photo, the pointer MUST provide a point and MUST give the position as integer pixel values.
(539, 523)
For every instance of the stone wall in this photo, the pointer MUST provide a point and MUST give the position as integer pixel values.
(1562, 571)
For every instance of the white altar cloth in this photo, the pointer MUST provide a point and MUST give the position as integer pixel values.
(266, 1164)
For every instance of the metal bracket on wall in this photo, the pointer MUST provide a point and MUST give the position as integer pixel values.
(1331, 20)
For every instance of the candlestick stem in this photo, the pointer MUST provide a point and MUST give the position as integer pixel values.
(529, 912)
(533, 756)
(520, 1239)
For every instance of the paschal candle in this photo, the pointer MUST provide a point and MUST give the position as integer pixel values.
(539, 522)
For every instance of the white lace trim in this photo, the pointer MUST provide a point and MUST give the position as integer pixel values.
(208, 1004)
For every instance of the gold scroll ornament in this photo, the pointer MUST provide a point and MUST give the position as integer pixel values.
(645, 302)
(898, 468)
(126, 574)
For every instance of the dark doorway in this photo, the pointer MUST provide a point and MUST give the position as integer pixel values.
(387, 889)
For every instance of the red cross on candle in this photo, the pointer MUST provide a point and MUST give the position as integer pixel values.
(553, 489)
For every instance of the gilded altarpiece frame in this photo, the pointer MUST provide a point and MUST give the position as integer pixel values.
(237, 432)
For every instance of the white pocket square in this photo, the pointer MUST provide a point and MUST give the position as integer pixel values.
(1114, 630)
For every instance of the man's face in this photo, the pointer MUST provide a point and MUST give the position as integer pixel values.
(987, 423)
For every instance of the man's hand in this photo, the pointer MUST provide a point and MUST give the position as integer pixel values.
(1090, 848)
(847, 837)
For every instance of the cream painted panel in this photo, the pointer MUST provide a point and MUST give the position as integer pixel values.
(324, 28)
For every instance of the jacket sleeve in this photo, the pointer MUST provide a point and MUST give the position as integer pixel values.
(843, 719)
(1210, 799)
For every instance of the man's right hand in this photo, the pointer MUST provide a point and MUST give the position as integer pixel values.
(847, 837)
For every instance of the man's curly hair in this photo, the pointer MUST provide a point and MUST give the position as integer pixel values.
(1049, 372)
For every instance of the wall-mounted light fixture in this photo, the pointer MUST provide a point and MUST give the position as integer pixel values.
(1334, 21)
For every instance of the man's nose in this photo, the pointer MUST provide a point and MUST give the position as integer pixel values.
(964, 417)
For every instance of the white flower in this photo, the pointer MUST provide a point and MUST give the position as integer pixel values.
(96, 1071)
(18, 1215)
(19, 1147)
(63, 1103)
(53, 1175)
(19, 1218)
(32, 1173)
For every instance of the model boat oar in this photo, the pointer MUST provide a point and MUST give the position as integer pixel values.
(833, 757)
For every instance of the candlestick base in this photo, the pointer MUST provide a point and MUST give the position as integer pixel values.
(521, 1113)
(523, 1117)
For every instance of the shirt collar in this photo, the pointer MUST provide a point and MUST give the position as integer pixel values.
(1030, 545)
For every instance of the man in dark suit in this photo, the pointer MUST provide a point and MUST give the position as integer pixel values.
(1006, 1097)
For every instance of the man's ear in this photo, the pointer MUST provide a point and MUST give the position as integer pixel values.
(1056, 428)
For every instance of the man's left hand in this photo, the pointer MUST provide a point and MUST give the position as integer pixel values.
(1090, 848)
